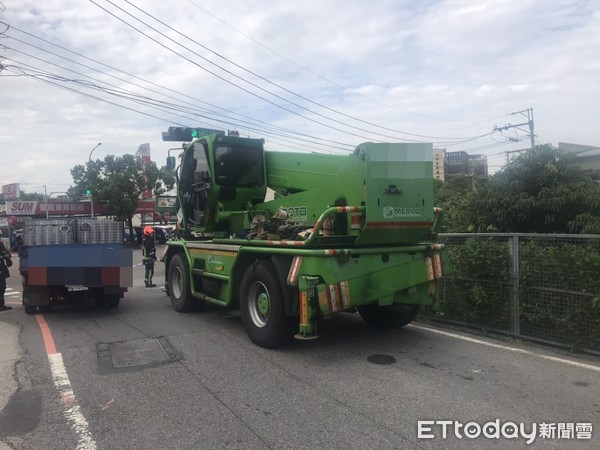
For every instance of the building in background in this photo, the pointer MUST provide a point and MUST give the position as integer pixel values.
(439, 156)
(461, 163)
(588, 157)
(143, 152)
(456, 163)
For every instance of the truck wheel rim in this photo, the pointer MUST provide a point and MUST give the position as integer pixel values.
(259, 304)
(177, 283)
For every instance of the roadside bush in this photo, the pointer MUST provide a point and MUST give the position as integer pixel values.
(559, 287)
(559, 298)
(477, 291)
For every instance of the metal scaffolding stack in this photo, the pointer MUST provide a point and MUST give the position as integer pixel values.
(72, 231)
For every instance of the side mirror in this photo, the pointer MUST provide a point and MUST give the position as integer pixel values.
(170, 162)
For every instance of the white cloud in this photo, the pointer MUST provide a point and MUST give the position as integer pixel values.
(519, 87)
(447, 68)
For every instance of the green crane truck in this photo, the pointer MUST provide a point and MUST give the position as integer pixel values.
(346, 233)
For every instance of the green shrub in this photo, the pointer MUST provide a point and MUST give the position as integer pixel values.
(560, 291)
(477, 292)
(559, 287)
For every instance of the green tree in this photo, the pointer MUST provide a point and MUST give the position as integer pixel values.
(453, 186)
(118, 182)
(540, 191)
(450, 195)
(32, 196)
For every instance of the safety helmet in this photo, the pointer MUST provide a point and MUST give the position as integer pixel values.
(148, 231)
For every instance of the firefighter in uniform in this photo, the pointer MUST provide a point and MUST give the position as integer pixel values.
(148, 255)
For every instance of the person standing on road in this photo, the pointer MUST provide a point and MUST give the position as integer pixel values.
(148, 255)
(5, 263)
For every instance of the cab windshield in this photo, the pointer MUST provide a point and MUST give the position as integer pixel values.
(239, 166)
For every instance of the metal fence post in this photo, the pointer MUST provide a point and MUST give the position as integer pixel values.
(514, 310)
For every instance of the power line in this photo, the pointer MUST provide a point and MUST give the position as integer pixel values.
(46, 77)
(262, 78)
(529, 123)
(55, 79)
(231, 73)
(271, 129)
(141, 79)
(333, 83)
(167, 107)
(286, 89)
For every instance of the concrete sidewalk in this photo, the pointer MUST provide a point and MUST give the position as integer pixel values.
(10, 353)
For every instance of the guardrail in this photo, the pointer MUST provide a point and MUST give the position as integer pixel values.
(544, 287)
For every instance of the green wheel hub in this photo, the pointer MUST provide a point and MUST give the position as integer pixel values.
(263, 303)
(259, 304)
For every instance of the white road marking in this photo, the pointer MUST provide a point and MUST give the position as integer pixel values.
(511, 349)
(72, 410)
(12, 293)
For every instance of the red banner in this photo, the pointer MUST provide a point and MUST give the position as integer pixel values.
(65, 208)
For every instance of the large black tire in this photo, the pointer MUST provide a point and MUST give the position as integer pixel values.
(390, 317)
(107, 301)
(112, 301)
(179, 285)
(34, 293)
(262, 308)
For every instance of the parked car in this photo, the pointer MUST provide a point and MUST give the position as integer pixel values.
(137, 232)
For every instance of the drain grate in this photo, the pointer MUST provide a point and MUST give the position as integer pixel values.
(136, 353)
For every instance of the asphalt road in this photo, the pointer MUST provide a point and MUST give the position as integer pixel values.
(195, 381)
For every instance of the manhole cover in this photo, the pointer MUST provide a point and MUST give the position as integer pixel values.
(136, 353)
(381, 359)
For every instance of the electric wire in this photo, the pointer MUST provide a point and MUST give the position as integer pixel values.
(270, 130)
(45, 77)
(223, 78)
(165, 107)
(234, 121)
(149, 101)
(333, 83)
(286, 89)
(243, 79)
(138, 85)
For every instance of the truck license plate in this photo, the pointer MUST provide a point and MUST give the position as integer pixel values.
(76, 288)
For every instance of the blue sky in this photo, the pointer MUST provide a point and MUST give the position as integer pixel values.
(337, 72)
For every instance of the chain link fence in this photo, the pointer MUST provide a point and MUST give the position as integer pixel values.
(544, 287)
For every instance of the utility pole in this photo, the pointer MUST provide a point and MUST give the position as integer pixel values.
(48, 197)
(529, 123)
(90, 189)
(508, 152)
(530, 120)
